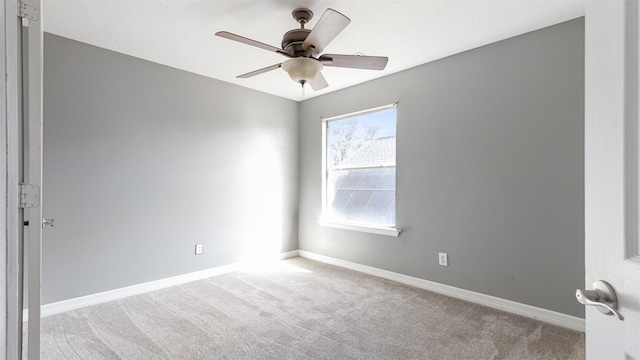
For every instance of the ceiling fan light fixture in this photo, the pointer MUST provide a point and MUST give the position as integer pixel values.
(302, 69)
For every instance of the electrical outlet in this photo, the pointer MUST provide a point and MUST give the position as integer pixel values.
(198, 249)
(443, 259)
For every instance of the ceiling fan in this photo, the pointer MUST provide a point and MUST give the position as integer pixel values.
(303, 47)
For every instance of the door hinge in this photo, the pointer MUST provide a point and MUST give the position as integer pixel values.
(30, 9)
(29, 196)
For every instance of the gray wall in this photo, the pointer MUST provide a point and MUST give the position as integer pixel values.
(489, 169)
(143, 161)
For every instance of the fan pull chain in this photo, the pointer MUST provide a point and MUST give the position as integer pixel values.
(302, 91)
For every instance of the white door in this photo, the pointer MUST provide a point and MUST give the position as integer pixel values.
(22, 20)
(32, 167)
(611, 174)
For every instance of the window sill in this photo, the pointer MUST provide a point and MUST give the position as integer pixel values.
(388, 231)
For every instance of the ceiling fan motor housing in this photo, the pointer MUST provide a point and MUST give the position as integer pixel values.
(292, 41)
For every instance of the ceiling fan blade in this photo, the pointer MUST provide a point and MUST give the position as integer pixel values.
(244, 40)
(318, 82)
(258, 72)
(328, 27)
(354, 61)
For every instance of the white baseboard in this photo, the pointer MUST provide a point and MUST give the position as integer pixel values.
(287, 255)
(111, 295)
(548, 316)
(552, 317)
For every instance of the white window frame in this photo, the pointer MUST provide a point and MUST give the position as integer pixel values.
(345, 225)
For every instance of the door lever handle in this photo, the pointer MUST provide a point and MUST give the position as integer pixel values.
(603, 297)
(47, 222)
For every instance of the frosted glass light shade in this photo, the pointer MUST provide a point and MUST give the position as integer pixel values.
(302, 69)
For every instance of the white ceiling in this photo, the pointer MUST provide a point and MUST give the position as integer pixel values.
(180, 33)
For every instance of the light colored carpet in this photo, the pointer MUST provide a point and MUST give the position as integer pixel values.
(300, 309)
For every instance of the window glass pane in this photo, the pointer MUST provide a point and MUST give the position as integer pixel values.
(377, 210)
(390, 216)
(361, 202)
(347, 136)
(371, 179)
(361, 176)
(352, 180)
(388, 181)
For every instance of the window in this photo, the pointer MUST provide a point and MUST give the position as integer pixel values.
(360, 171)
